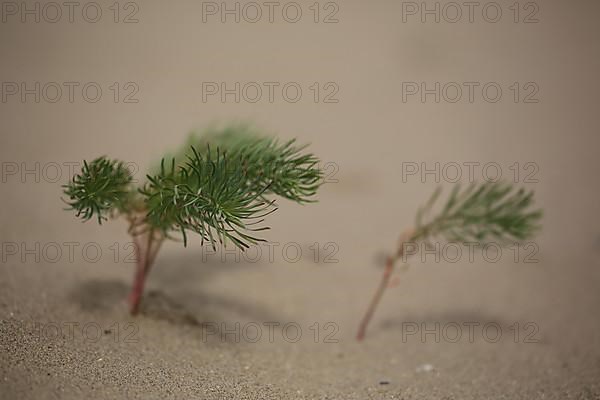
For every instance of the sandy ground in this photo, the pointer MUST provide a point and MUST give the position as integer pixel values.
(64, 328)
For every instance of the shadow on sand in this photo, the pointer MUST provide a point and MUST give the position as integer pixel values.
(182, 275)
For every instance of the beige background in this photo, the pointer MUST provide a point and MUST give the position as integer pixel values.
(368, 134)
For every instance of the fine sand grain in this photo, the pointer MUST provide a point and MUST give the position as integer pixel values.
(526, 330)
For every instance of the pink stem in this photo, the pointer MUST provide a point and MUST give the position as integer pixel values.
(146, 251)
(387, 273)
(385, 282)
(139, 279)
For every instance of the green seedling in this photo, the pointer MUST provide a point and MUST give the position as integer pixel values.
(220, 186)
(482, 213)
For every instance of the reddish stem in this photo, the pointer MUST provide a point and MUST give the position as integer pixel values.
(387, 273)
(139, 279)
(135, 296)
(385, 281)
(145, 252)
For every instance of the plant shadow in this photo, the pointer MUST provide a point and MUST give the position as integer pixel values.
(179, 301)
(457, 317)
(98, 295)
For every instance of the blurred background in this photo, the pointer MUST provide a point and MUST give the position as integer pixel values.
(384, 91)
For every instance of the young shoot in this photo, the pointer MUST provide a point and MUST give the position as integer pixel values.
(483, 213)
(220, 186)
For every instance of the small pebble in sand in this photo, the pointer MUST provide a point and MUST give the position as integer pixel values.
(424, 368)
(384, 382)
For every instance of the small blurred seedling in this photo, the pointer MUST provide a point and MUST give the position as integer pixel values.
(218, 186)
(483, 213)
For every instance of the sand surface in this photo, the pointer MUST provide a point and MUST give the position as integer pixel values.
(64, 327)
